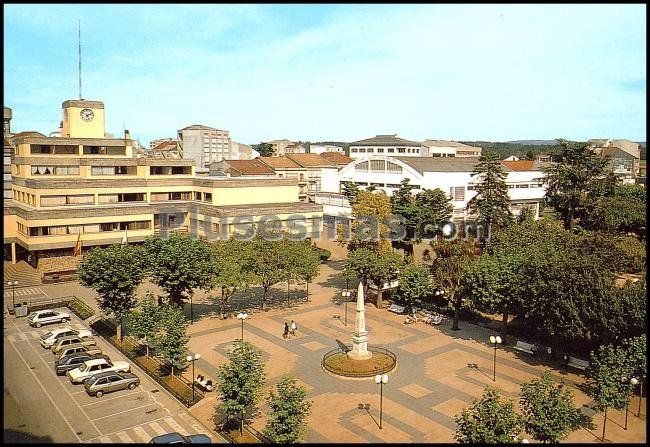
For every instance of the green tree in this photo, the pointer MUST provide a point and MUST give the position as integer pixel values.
(265, 149)
(623, 211)
(144, 322)
(491, 204)
(403, 204)
(266, 264)
(287, 422)
(448, 265)
(415, 284)
(373, 267)
(548, 409)
(350, 191)
(433, 210)
(171, 338)
(179, 264)
(229, 269)
(370, 210)
(527, 213)
(240, 383)
(488, 421)
(495, 285)
(114, 273)
(572, 179)
(309, 264)
(608, 383)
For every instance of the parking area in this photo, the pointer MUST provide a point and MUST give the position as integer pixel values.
(66, 413)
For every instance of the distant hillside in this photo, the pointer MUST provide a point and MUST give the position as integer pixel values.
(535, 142)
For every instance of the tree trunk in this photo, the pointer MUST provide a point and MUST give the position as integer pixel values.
(266, 289)
(119, 330)
(307, 291)
(288, 303)
(457, 303)
(223, 305)
(569, 223)
(505, 322)
(380, 303)
(409, 250)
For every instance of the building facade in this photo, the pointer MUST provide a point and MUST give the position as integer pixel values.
(204, 144)
(73, 193)
(451, 175)
(320, 148)
(441, 148)
(386, 145)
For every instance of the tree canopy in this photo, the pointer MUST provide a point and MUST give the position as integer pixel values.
(287, 422)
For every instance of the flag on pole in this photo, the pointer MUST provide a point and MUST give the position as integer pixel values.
(125, 239)
(77, 248)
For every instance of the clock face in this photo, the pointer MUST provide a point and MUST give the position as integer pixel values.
(87, 115)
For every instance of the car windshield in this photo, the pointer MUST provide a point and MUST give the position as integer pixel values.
(92, 380)
(46, 336)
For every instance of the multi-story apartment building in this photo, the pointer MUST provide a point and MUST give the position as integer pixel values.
(205, 144)
(441, 148)
(630, 147)
(313, 172)
(84, 190)
(452, 175)
(7, 151)
(387, 145)
(622, 163)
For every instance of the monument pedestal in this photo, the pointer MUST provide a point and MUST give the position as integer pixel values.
(359, 347)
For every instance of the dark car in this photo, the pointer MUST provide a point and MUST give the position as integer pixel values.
(177, 438)
(105, 382)
(72, 361)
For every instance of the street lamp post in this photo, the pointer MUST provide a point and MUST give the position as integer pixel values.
(191, 310)
(638, 413)
(380, 379)
(242, 316)
(13, 285)
(193, 359)
(346, 296)
(495, 340)
(633, 382)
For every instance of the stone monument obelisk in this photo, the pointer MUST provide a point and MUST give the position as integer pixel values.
(360, 336)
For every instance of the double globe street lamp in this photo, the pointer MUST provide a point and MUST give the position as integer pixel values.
(495, 341)
(193, 359)
(633, 381)
(346, 297)
(242, 316)
(13, 285)
(381, 379)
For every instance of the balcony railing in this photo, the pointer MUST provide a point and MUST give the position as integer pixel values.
(158, 230)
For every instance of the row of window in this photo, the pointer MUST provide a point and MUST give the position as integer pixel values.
(61, 230)
(24, 197)
(378, 166)
(45, 149)
(55, 170)
(380, 150)
(110, 170)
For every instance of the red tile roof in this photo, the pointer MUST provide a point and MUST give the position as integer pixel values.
(309, 160)
(250, 167)
(280, 162)
(519, 165)
(336, 158)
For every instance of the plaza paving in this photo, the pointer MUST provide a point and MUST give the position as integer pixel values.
(430, 385)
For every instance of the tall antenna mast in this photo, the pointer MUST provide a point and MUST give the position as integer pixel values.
(80, 97)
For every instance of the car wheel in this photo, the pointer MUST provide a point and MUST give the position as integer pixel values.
(38, 324)
(132, 386)
(99, 393)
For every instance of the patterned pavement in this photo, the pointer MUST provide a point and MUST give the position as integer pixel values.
(430, 385)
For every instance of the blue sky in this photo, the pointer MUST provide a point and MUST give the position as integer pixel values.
(335, 72)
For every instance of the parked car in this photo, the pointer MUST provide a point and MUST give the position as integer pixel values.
(47, 316)
(49, 338)
(78, 349)
(95, 366)
(70, 340)
(105, 382)
(177, 438)
(72, 361)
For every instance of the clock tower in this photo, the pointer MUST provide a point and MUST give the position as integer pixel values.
(83, 119)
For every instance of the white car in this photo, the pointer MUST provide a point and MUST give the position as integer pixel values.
(49, 338)
(92, 367)
(47, 316)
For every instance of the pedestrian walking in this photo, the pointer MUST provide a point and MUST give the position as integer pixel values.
(294, 326)
(286, 330)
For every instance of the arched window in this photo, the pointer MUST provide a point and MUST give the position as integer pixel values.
(363, 166)
(393, 168)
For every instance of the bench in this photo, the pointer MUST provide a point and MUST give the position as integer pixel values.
(524, 347)
(204, 385)
(578, 363)
(396, 308)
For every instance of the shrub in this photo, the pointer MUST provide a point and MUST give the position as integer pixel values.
(79, 308)
(324, 254)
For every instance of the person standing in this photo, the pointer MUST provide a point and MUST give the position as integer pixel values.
(286, 330)
(294, 326)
